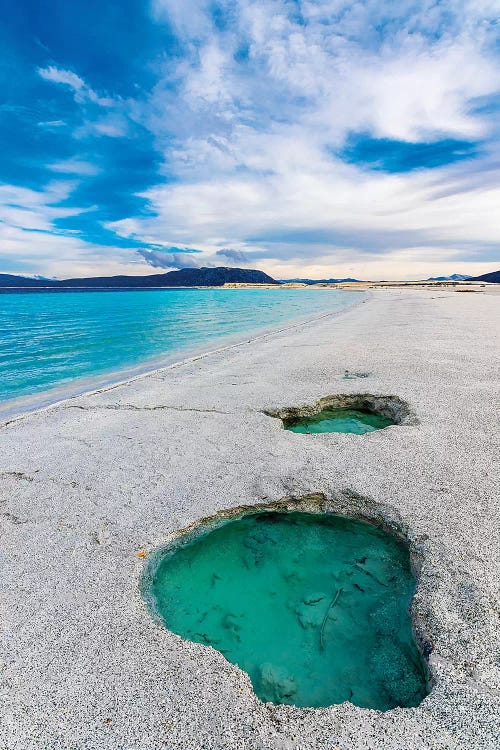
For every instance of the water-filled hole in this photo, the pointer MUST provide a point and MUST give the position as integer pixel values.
(313, 606)
(351, 421)
(349, 413)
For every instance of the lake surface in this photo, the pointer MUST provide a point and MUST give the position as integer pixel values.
(54, 344)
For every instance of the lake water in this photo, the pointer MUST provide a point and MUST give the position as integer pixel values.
(55, 344)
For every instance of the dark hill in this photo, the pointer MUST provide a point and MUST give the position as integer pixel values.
(183, 277)
(493, 277)
(10, 280)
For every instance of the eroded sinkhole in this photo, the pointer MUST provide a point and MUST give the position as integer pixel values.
(313, 606)
(355, 414)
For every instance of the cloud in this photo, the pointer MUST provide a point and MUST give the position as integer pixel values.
(265, 104)
(173, 257)
(235, 256)
(28, 209)
(189, 18)
(294, 135)
(75, 166)
(400, 72)
(65, 77)
(305, 197)
(113, 125)
(73, 81)
(113, 122)
(30, 238)
(178, 257)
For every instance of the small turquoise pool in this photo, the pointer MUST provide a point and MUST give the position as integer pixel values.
(353, 421)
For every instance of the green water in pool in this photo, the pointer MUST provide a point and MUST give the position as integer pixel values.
(352, 421)
(314, 607)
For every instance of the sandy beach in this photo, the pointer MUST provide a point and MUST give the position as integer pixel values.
(89, 485)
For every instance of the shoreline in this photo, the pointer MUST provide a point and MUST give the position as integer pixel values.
(351, 285)
(93, 486)
(12, 409)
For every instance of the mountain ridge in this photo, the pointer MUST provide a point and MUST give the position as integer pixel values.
(184, 277)
(493, 277)
(453, 277)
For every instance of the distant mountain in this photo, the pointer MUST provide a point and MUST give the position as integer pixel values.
(10, 280)
(183, 277)
(493, 277)
(315, 281)
(453, 277)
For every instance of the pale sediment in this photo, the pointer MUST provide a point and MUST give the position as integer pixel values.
(88, 484)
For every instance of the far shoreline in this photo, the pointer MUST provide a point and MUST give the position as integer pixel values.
(347, 285)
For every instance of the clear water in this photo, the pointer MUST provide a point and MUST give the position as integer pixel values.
(338, 420)
(50, 339)
(315, 608)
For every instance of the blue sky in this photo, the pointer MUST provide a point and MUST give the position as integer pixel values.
(319, 137)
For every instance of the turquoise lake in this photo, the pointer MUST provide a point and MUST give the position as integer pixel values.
(55, 344)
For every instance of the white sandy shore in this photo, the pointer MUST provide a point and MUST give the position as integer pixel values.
(87, 484)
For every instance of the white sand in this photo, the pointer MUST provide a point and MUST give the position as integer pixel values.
(87, 484)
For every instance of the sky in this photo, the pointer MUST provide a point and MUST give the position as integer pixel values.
(307, 138)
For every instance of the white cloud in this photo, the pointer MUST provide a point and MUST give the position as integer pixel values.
(30, 240)
(35, 209)
(75, 166)
(170, 260)
(61, 255)
(421, 95)
(113, 123)
(233, 256)
(252, 116)
(80, 89)
(307, 197)
(252, 143)
(65, 77)
(188, 17)
(413, 83)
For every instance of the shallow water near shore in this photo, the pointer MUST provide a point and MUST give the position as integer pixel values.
(314, 607)
(52, 341)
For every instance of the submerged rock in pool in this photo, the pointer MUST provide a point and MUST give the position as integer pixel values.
(314, 607)
(276, 684)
